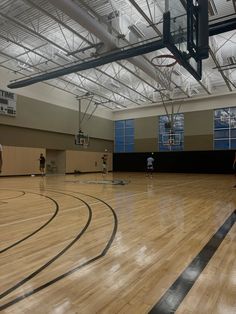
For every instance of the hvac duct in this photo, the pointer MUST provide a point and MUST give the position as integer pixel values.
(75, 12)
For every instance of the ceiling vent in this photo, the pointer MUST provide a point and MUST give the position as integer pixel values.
(212, 8)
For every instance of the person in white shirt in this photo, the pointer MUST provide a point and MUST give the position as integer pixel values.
(150, 165)
(1, 158)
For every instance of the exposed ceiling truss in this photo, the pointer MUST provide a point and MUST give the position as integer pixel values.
(39, 36)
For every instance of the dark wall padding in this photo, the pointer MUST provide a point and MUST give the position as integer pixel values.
(187, 161)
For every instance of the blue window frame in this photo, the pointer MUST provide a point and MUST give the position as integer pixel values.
(171, 139)
(124, 136)
(225, 128)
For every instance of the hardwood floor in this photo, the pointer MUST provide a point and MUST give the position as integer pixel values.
(67, 246)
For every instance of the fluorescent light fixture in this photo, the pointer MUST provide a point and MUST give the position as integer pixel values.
(136, 31)
(119, 107)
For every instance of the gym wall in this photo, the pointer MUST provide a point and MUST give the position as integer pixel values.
(21, 160)
(40, 124)
(43, 127)
(198, 132)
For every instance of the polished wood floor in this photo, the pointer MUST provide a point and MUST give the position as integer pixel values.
(68, 246)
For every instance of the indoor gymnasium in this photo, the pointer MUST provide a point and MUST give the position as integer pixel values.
(118, 156)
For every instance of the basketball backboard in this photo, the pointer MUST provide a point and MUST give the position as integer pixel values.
(185, 33)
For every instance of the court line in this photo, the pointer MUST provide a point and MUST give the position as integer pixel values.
(37, 230)
(11, 198)
(90, 261)
(41, 216)
(175, 295)
(37, 271)
(66, 210)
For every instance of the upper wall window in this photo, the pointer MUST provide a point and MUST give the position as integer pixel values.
(225, 128)
(171, 133)
(124, 136)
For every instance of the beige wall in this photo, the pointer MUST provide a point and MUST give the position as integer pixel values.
(86, 161)
(198, 130)
(17, 136)
(145, 134)
(25, 160)
(21, 160)
(146, 145)
(199, 122)
(146, 127)
(188, 105)
(35, 114)
(198, 142)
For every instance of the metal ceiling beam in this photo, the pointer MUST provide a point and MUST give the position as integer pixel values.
(112, 57)
(61, 48)
(221, 71)
(150, 22)
(82, 49)
(61, 79)
(222, 27)
(34, 5)
(78, 14)
(115, 56)
(91, 45)
(49, 60)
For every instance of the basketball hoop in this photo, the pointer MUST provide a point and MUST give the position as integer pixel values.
(82, 139)
(172, 139)
(164, 61)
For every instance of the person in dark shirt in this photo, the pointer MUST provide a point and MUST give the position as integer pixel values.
(42, 161)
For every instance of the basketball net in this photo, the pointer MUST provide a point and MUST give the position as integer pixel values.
(168, 77)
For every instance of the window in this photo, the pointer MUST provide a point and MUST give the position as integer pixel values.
(124, 136)
(225, 128)
(171, 139)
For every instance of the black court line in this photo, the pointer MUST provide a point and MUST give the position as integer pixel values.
(37, 230)
(40, 269)
(11, 198)
(173, 297)
(62, 276)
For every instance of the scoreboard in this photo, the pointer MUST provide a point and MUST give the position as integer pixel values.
(7, 103)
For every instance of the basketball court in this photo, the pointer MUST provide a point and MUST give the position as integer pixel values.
(96, 248)
(97, 234)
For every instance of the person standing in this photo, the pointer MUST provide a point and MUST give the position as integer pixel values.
(1, 158)
(42, 161)
(104, 164)
(150, 165)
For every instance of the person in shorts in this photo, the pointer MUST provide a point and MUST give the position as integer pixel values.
(150, 165)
